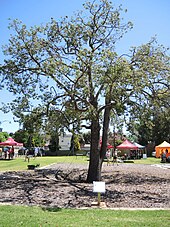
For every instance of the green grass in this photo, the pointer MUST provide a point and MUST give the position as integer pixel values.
(18, 163)
(150, 161)
(35, 217)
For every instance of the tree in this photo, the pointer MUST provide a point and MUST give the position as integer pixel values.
(70, 66)
(32, 127)
(3, 136)
(87, 137)
(150, 117)
(153, 124)
(75, 144)
(21, 136)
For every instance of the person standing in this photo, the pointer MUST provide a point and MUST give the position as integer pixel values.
(12, 152)
(115, 158)
(0, 152)
(108, 156)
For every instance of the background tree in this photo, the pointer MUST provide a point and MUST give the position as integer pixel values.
(148, 119)
(21, 136)
(75, 143)
(31, 134)
(3, 136)
(153, 124)
(87, 137)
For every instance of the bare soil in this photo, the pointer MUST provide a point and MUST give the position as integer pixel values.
(64, 186)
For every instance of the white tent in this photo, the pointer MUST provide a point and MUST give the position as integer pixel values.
(139, 146)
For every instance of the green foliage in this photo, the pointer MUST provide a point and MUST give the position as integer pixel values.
(21, 136)
(75, 143)
(3, 136)
(86, 44)
(87, 137)
(29, 140)
(150, 116)
(153, 124)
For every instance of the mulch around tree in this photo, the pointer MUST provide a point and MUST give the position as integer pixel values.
(64, 186)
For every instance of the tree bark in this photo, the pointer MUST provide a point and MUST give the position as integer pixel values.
(105, 134)
(94, 171)
(97, 154)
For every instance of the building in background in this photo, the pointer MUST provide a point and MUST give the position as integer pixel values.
(65, 142)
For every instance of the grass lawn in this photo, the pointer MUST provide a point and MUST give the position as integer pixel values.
(150, 161)
(19, 163)
(37, 217)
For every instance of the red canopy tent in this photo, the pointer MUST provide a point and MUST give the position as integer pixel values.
(126, 145)
(10, 142)
(109, 146)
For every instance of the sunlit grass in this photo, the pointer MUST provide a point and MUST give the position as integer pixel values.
(19, 164)
(35, 216)
(150, 161)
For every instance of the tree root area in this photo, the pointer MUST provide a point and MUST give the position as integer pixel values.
(127, 185)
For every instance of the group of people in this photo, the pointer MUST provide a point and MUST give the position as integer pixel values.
(8, 152)
(109, 157)
(165, 156)
(32, 152)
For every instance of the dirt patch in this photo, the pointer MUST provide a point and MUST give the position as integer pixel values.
(63, 185)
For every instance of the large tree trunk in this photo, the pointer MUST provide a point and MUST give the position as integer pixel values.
(97, 154)
(105, 134)
(94, 171)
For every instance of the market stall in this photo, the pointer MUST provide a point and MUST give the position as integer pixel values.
(165, 146)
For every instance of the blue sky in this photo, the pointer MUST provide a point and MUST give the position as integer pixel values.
(150, 18)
